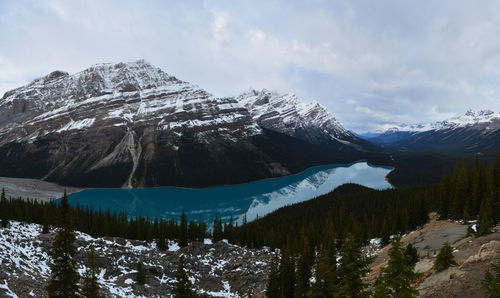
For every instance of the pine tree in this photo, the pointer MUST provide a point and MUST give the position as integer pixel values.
(325, 284)
(352, 268)
(485, 222)
(139, 276)
(491, 281)
(182, 286)
(444, 258)
(273, 284)
(4, 212)
(303, 270)
(64, 278)
(90, 287)
(183, 237)
(399, 273)
(161, 243)
(287, 274)
(411, 253)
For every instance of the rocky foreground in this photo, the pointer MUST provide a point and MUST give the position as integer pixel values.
(217, 269)
(473, 254)
(224, 270)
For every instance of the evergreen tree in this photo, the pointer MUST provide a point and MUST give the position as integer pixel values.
(412, 255)
(444, 258)
(399, 274)
(140, 278)
(5, 220)
(325, 284)
(217, 232)
(182, 286)
(90, 287)
(287, 274)
(4, 212)
(64, 278)
(353, 266)
(273, 284)
(161, 243)
(491, 281)
(303, 270)
(183, 237)
(485, 222)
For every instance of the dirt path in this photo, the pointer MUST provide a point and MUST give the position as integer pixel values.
(33, 188)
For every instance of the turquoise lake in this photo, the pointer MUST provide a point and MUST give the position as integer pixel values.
(256, 198)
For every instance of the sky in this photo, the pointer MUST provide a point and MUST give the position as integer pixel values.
(373, 64)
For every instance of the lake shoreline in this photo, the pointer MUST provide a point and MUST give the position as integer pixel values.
(44, 191)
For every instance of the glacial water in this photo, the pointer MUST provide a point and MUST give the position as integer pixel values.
(252, 199)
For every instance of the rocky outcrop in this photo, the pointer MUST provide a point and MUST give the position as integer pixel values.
(218, 269)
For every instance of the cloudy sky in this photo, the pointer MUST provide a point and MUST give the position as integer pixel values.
(372, 63)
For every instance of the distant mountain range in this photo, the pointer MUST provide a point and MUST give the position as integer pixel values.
(474, 132)
(133, 125)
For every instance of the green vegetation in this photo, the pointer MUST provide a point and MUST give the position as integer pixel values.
(182, 286)
(399, 275)
(140, 278)
(90, 287)
(311, 234)
(491, 281)
(64, 279)
(445, 258)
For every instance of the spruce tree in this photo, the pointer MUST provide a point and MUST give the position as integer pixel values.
(139, 276)
(287, 273)
(273, 284)
(64, 278)
(217, 232)
(353, 267)
(491, 281)
(411, 254)
(183, 237)
(325, 284)
(4, 211)
(161, 243)
(90, 287)
(485, 222)
(444, 258)
(303, 270)
(182, 286)
(399, 274)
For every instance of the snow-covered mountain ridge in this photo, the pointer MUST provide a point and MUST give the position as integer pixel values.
(469, 119)
(132, 124)
(119, 94)
(477, 131)
(309, 121)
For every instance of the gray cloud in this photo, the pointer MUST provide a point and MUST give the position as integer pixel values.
(372, 63)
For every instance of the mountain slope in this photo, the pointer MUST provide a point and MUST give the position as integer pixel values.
(132, 125)
(473, 132)
(311, 122)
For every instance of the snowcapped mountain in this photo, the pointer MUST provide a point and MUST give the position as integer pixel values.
(118, 95)
(308, 121)
(132, 124)
(475, 131)
(469, 119)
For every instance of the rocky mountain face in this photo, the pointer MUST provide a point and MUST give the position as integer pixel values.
(309, 121)
(131, 124)
(473, 132)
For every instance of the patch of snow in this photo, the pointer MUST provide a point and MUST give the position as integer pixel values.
(173, 246)
(80, 124)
